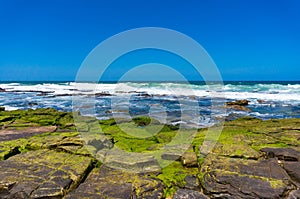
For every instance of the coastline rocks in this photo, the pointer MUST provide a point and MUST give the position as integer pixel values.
(103, 94)
(286, 154)
(33, 104)
(290, 161)
(260, 101)
(189, 159)
(293, 169)
(105, 182)
(228, 178)
(12, 134)
(2, 90)
(192, 182)
(43, 173)
(243, 102)
(189, 194)
(239, 150)
(238, 105)
(130, 162)
(174, 152)
(295, 194)
(239, 108)
(62, 163)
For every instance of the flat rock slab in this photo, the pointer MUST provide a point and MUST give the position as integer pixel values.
(295, 194)
(105, 182)
(128, 161)
(13, 134)
(286, 154)
(189, 194)
(41, 174)
(293, 169)
(230, 178)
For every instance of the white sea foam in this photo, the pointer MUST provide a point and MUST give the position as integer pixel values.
(10, 108)
(268, 92)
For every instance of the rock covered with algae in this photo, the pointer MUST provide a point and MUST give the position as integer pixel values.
(43, 154)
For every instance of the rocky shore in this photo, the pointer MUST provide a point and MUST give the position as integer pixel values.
(43, 154)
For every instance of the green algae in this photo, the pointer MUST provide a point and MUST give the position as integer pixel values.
(241, 138)
(274, 183)
(173, 177)
(42, 117)
(130, 137)
(6, 118)
(142, 121)
(11, 148)
(45, 173)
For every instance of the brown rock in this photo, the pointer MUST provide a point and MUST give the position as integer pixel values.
(239, 108)
(293, 169)
(243, 102)
(238, 105)
(237, 178)
(287, 154)
(189, 159)
(192, 182)
(12, 134)
(295, 194)
(105, 182)
(41, 174)
(189, 194)
(261, 101)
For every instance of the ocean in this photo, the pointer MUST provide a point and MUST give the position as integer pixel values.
(193, 103)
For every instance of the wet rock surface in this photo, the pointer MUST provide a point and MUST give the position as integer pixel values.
(43, 173)
(226, 177)
(43, 154)
(105, 182)
(239, 105)
(293, 169)
(243, 102)
(295, 194)
(12, 134)
(189, 194)
(287, 154)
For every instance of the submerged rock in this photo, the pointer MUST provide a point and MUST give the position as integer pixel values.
(239, 108)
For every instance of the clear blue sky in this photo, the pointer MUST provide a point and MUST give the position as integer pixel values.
(247, 39)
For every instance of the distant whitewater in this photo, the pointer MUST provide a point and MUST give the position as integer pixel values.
(165, 101)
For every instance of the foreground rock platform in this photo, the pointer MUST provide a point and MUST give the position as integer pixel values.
(44, 154)
(42, 173)
(105, 182)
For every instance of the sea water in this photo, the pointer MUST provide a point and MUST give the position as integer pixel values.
(173, 102)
